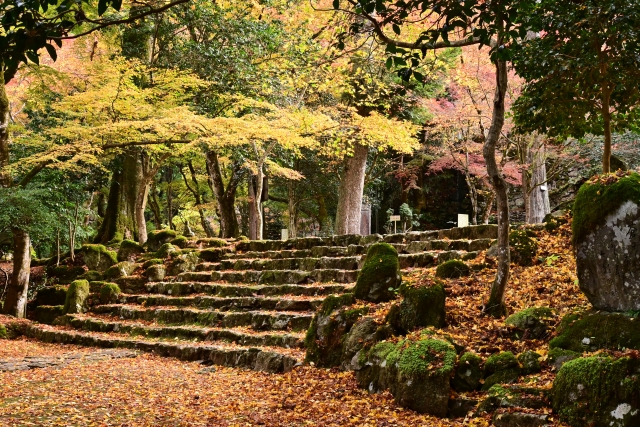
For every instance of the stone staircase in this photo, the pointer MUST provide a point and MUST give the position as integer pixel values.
(251, 307)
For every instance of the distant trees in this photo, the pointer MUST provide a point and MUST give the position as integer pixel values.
(582, 71)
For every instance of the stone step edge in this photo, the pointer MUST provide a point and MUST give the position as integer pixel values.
(249, 357)
(203, 334)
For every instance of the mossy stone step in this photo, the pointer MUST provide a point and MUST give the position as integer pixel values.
(448, 245)
(276, 277)
(258, 320)
(430, 259)
(225, 304)
(254, 358)
(239, 290)
(306, 264)
(91, 324)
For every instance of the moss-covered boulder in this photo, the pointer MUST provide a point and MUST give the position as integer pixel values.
(153, 261)
(329, 328)
(167, 250)
(109, 293)
(47, 314)
(65, 273)
(422, 306)
(121, 269)
(531, 323)
(183, 263)
(180, 241)
(417, 373)
(51, 295)
(523, 247)
(452, 269)
(558, 357)
(379, 277)
(91, 276)
(129, 251)
(606, 235)
(501, 368)
(529, 362)
(598, 391)
(77, 294)
(98, 257)
(552, 221)
(156, 273)
(157, 238)
(3, 332)
(468, 375)
(598, 330)
(363, 335)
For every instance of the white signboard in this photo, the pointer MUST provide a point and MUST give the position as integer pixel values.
(285, 234)
(463, 220)
(394, 218)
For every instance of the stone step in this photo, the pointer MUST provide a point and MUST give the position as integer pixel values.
(430, 259)
(259, 320)
(316, 252)
(305, 264)
(307, 243)
(246, 303)
(239, 290)
(192, 333)
(276, 277)
(448, 245)
(267, 359)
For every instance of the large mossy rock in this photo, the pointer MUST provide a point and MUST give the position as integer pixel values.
(599, 392)
(452, 269)
(523, 247)
(47, 314)
(121, 269)
(598, 330)
(468, 375)
(51, 295)
(416, 372)
(422, 306)
(98, 257)
(329, 328)
(379, 277)
(365, 333)
(183, 263)
(501, 368)
(213, 254)
(157, 238)
(77, 297)
(129, 251)
(531, 323)
(65, 273)
(109, 293)
(606, 235)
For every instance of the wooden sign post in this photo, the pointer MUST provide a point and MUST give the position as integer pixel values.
(395, 219)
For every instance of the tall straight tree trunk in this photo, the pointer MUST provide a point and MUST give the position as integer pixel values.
(259, 188)
(537, 204)
(606, 118)
(16, 301)
(496, 306)
(120, 216)
(351, 191)
(194, 188)
(293, 211)
(253, 211)
(225, 197)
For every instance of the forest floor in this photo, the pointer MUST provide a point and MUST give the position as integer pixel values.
(149, 390)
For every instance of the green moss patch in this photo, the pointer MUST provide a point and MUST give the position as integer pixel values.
(422, 306)
(598, 391)
(47, 314)
(599, 330)
(601, 196)
(468, 375)
(109, 293)
(380, 275)
(180, 241)
(76, 297)
(51, 295)
(157, 238)
(452, 269)
(129, 250)
(531, 323)
(98, 257)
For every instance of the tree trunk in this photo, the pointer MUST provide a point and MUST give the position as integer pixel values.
(5, 118)
(120, 216)
(253, 213)
(606, 117)
(225, 197)
(351, 191)
(537, 204)
(496, 306)
(258, 203)
(208, 229)
(293, 211)
(16, 301)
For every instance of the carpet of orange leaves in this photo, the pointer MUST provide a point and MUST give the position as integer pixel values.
(148, 390)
